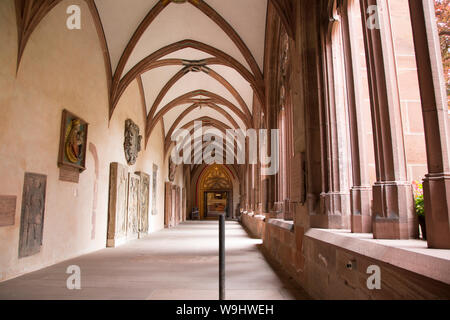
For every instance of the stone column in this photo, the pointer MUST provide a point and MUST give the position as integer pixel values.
(393, 208)
(435, 117)
(259, 202)
(337, 199)
(250, 188)
(361, 191)
(178, 218)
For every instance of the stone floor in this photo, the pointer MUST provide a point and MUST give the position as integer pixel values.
(176, 264)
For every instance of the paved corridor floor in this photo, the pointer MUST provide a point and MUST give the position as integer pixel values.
(175, 264)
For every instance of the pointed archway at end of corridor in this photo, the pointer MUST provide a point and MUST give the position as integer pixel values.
(214, 191)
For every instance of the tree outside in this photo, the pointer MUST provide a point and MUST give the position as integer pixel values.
(443, 19)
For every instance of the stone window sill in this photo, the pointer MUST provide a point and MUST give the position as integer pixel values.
(256, 216)
(283, 224)
(411, 255)
(260, 217)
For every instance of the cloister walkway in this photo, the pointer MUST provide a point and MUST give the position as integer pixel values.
(175, 264)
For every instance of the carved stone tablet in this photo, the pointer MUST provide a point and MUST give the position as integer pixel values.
(117, 217)
(32, 216)
(7, 210)
(133, 206)
(172, 170)
(144, 199)
(154, 189)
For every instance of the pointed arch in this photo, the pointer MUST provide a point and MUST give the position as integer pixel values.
(190, 98)
(180, 74)
(148, 63)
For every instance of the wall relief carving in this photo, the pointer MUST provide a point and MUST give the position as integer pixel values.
(117, 216)
(132, 143)
(32, 216)
(144, 200)
(72, 147)
(154, 189)
(172, 170)
(133, 206)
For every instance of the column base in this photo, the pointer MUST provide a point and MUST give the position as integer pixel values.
(282, 210)
(277, 211)
(393, 211)
(436, 190)
(259, 208)
(288, 211)
(334, 211)
(116, 242)
(361, 198)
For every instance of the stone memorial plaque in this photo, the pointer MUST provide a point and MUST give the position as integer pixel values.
(7, 210)
(154, 189)
(144, 199)
(32, 215)
(117, 216)
(133, 206)
(69, 174)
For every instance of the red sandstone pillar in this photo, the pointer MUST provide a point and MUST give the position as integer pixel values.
(361, 191)
(393, 208)
(435, 116)
(336, 202)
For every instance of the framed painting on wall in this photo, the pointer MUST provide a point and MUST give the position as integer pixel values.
(73, 142)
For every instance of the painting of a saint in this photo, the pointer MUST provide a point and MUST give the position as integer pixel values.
(73, 142)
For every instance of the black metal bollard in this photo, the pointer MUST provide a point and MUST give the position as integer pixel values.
(222, 257)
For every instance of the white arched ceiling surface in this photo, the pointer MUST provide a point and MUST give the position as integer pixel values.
(120, 19)
(248, 19)
(179, 22)
(204, 112)
(175, 22)
(187, 54)
(237, 81)
(237, 143)
(240, 123)
(154, 80)
(194, 81)
(171, 116)
(200, 143)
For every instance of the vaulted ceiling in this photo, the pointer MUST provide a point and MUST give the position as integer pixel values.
(194, 59)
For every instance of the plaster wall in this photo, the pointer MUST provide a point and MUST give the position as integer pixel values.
(62, 69)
